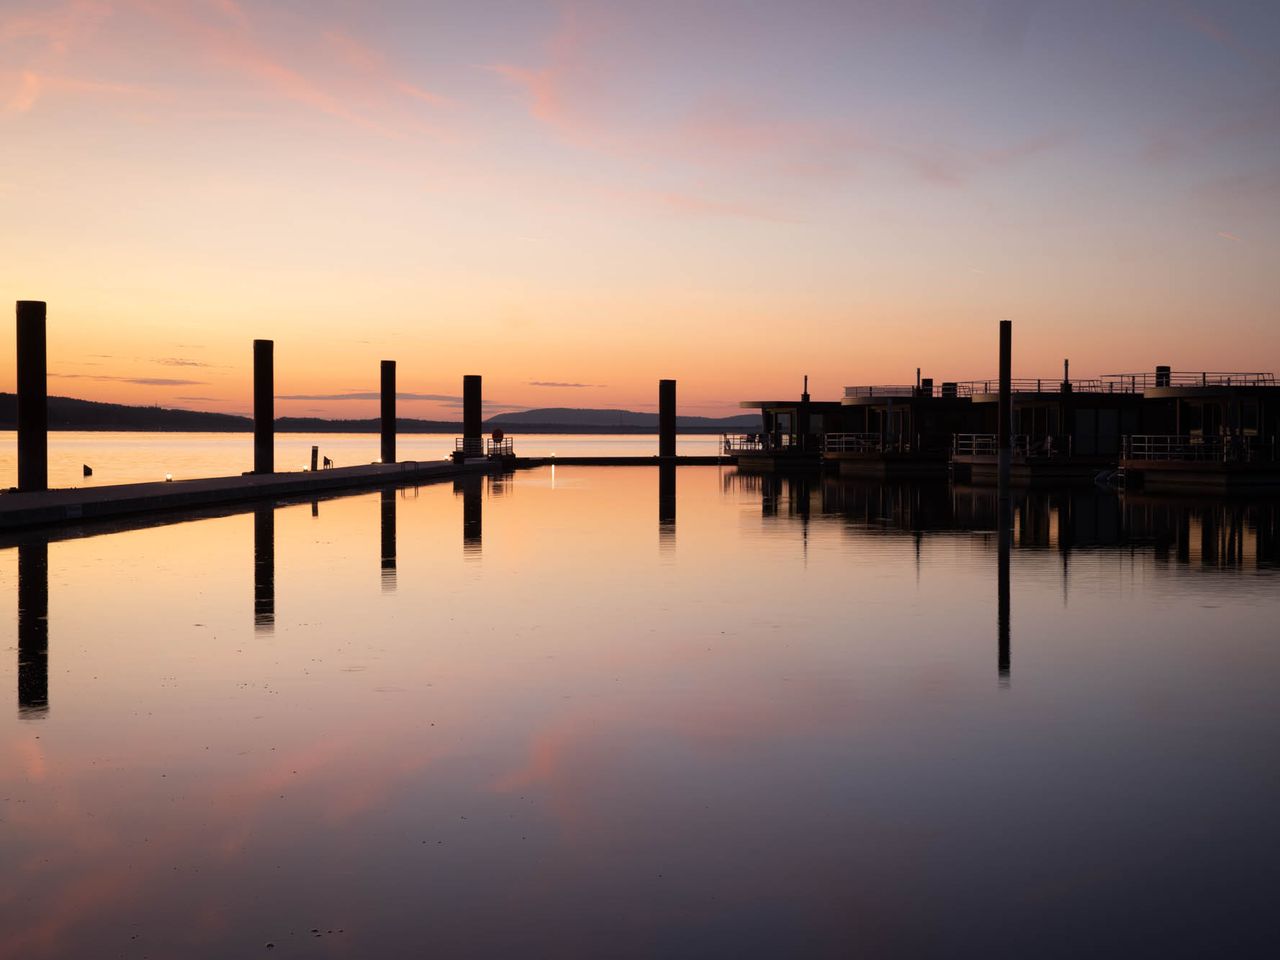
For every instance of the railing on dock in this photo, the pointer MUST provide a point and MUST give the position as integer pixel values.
(484, 447)
(1210, 449)
(735, 443)
(855, 443)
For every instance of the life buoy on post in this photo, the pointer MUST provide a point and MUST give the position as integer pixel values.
(498, 435)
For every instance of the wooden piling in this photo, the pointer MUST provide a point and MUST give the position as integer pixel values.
(264, 424)
(388, 411)
(666, 418)
(33, 397)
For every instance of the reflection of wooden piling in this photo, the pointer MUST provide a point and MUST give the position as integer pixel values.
(33, 397)
(263, 407)
(666, 503)
(472, 419)
(264, 567)
(33, 628)
(1004, 534)
(389, 539)
(388, 411)
(472, 513)
(666, 418)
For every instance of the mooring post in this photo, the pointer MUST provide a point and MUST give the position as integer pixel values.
(264, 424)
(315, 458)
(33, 397)
(1004, 431)
(388, 411)
(472, 419)
(666, 419)
(1004, 503)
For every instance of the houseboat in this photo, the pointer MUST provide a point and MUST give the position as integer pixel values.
(899, 431)
(1063, 431)
(791, 434)
(1203, 431)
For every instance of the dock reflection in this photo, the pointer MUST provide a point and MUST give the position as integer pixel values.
(33, 629)
(389, 496)
(264, 567)
(471, 490)
(666, 507)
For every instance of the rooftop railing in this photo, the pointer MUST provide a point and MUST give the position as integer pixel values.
(1137, 382)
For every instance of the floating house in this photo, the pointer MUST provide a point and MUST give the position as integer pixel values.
(899, 431)
(791, 434)
(1203, 431)
(1063, 430)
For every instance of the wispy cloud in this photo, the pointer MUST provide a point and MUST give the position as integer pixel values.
(181, 362)
(1229, 236)
(142, 381)
(558, 383)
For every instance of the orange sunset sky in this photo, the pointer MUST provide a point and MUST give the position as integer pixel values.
(575, 199)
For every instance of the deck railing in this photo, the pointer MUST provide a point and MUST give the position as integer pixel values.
(1214, 449)
(988, 445)
(1137, 382)
(482, 447)
(735, 443)
(857, 443)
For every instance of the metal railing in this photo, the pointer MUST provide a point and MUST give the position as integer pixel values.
(484, 447)
(1214, 449)
(859, 443)
(988, 445)
(1030, 385)
(733, 443)
(1137, 382)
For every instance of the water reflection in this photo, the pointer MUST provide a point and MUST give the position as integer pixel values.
(33, 628)
(264, 567)
(667, 507)
(388, 500)
(471, 488)
(723, 747)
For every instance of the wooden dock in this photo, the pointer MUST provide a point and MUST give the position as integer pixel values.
(78, 505)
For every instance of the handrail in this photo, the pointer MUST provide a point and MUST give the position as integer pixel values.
(1212, 448)
(860, 443)
(1134, 382)
(988, 445)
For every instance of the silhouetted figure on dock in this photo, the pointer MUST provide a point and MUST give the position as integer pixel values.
(33, 628)
(264, 567)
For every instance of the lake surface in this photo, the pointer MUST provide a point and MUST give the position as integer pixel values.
(575, 712)
(133, 457)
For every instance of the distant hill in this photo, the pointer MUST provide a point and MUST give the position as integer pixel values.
(68, 413)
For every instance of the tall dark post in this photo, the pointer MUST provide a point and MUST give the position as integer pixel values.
(33, 398)
(264, 567)
(666, 419)
(389, 539)
(666, 503)
(33, 628)
(472, 418)
(388, 411)
(264, 422)
(1004, 432)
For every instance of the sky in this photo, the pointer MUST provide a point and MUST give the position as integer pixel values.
(577, 199)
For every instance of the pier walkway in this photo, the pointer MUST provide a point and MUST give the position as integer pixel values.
(20, 510)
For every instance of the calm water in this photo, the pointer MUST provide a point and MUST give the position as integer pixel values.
(573, 713)
(130, 457)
